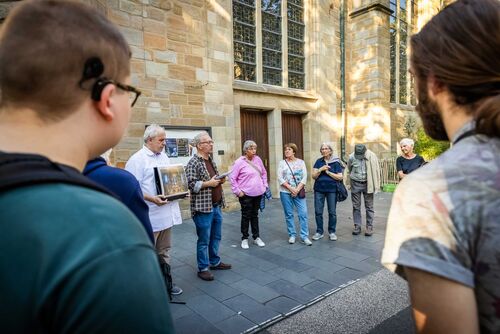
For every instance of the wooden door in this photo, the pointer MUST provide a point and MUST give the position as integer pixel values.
(291, 124)
(254, 127)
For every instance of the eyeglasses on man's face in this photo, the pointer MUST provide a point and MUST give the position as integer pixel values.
(133, 92)
(210, 142)
(93, 69)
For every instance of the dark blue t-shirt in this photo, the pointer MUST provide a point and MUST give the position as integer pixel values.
(409, 165)
(124, 185)
(325, 183)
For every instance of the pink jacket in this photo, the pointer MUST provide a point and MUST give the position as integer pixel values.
(246, 178)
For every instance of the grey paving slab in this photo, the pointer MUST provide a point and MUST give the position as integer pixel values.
(325, 276)
(228, 276)
(288, 289)
(284, 250)
(235, 324)
(361, 266)
(261, 315)
(253, 260)
(217, 289)
(340, 250)
(284, 262)
(195, 324)
(265, 282)
(256, 275)
(180, 310)
(322, 264)
(283, 304)
(318, 287)
(209, 308)
(348, 274)
(250, 309)
(297, 278)
(258, 292)
(189, 291)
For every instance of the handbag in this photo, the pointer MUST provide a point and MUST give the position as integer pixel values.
(302, 192)
(341, 192)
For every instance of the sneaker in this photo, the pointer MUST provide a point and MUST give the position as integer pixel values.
(317, 236)
(244, 243)
(369, 231)
(333, 236)
(206, 275)
(259, 242)
(307, 242)
(356, 230)
(291, 240)
(221, 266)
(176, 290)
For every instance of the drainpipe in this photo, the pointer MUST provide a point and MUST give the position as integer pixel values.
(343, 117)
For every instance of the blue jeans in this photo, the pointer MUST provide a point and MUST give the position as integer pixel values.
(209, 231)
(288, 203)
(319, 205)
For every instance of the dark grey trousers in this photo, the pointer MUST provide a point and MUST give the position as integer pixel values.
(358, 189)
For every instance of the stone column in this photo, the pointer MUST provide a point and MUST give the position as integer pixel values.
(275, 148)
(368, 76)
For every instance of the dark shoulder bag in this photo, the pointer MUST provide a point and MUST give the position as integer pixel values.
(341, 192)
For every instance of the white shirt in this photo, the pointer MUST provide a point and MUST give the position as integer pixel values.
(141, 165)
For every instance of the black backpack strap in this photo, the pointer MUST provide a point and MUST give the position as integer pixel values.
(19, 170)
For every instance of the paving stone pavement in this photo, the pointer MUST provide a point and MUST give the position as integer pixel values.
(266, 283)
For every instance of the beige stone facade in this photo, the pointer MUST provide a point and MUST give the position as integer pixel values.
(182, 61)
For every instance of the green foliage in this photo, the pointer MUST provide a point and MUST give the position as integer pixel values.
(427, 147)
(410, 126)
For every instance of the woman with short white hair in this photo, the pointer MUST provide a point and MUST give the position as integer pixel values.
(249, 183)
(409, 161)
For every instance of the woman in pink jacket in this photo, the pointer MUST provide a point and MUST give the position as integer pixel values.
(249, 183)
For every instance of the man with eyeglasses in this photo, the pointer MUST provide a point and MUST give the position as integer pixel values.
(207, 200)
(73, 258)
(163, 214)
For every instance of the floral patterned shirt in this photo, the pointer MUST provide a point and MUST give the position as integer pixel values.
(285, 174)
(445, 220)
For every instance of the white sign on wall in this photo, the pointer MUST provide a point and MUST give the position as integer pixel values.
(179, 143)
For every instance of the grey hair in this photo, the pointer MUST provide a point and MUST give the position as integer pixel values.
(407, 141)
(327, 145)
(247, 145)
(197, 138)
(152, 131)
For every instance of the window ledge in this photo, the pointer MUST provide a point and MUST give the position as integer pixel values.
(403, 106)
(377, 6)
(268, 89)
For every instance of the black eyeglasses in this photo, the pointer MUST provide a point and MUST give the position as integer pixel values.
(134, 93)
(94, 68)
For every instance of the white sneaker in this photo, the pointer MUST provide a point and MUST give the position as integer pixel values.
(291, 240)
(176, 290)
(259, 242)
(307, 242)
(317, 236)
(333, 236)
(244, 243)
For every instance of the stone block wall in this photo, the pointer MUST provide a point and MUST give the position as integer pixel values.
(181, 61)
(368, 79)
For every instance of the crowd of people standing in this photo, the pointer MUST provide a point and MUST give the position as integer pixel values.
(76, 259)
